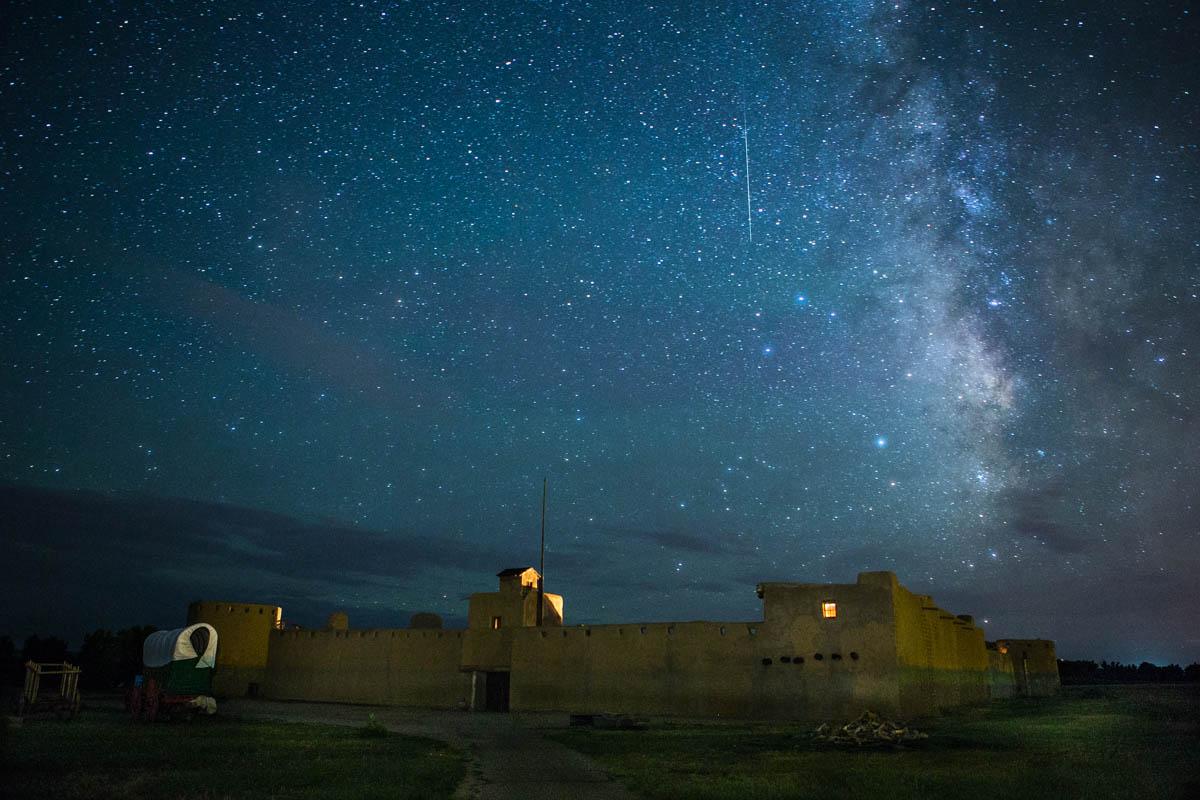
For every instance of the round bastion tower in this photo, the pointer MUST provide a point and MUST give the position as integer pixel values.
(243, 640)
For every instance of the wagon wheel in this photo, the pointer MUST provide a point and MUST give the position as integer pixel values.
(135, 703)
(152, 700)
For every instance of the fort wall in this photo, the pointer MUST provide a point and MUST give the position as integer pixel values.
(1034, 666)
(845, 635)
(682, 668)
(386, 667)
(1000, 674)
(243, 643)
(821, 651)
(941, 659)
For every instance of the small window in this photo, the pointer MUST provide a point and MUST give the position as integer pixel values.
(496, 622)
(766, 662)
(829, 609)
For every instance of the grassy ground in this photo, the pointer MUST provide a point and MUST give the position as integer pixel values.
(104, 755)
(1114, 742)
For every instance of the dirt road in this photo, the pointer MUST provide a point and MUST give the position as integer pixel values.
(509, 758)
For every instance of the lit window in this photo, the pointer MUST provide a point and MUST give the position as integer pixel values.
(829, 609)
(495, 623)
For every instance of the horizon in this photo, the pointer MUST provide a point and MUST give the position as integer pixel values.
(191, 520)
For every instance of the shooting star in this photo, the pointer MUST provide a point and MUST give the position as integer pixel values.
(746, 145)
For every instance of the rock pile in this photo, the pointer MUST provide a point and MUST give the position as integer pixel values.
(869, 729)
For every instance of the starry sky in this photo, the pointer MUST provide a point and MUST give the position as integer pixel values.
(300, 301)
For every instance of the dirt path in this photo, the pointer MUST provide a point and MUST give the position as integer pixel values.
(509, 758)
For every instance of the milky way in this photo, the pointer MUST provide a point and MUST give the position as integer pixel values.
(385, 266)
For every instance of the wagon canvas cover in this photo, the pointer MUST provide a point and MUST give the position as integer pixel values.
(163, 647)
(182, 660)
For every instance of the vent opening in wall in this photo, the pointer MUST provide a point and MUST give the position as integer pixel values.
(854, 655)
(766, 662)
(836, 656)
(819, 657)
(798, 660)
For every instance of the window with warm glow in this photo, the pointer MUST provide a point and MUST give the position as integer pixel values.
(495, 623)
(829, 609)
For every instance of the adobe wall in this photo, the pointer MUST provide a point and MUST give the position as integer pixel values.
(1034, 666)
(941, 659)
(795, 664)
(1000, 674)
(486, 648)
(673, 669)
(385, 667)
(849, 659)
(243, 640)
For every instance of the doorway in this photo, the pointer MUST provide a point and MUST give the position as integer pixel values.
(495, 691)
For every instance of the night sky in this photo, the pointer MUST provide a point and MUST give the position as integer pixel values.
(300, 301)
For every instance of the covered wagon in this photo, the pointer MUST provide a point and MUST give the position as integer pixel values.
(177, 670)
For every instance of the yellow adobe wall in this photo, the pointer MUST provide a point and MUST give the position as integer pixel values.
(941, 659)
(517, 608)
(1034, 666)
(385, 667)
(794, 664)
(243, 641)
(488, 649)
(1000, 675)
(849, 659)
(683, 668)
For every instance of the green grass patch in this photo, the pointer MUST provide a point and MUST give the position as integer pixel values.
(105, 755)
(1118, 742)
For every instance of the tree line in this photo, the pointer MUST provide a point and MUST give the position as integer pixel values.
(109, 659)
(1077, 672)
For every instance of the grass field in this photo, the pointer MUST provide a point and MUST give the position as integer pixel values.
(1112, 742)
(104, 755)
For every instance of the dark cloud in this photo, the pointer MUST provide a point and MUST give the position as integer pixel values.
(1039, 514)
(712, 543)
(118, 560)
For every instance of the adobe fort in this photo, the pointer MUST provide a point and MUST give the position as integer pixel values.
(819, 651)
